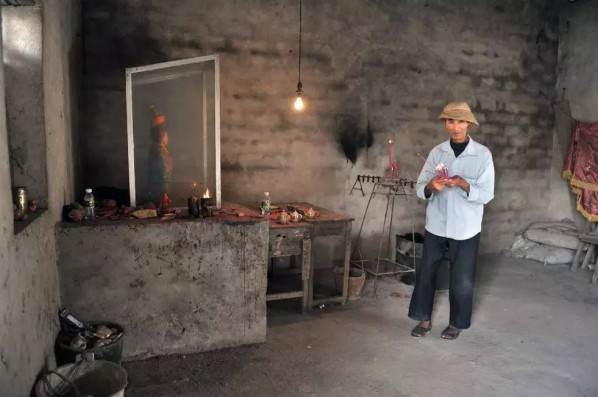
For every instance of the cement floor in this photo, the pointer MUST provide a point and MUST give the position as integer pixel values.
(534, 333)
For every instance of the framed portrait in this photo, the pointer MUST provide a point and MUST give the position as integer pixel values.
(173, 130)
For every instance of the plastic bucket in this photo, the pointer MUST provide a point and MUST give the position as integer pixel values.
(92, 378)
(356, 281)
(112, 352)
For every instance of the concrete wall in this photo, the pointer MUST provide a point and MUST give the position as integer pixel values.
(28, 276)
(577, 92)
(177, 287)
(22, 50)
(394, 63)
(577, 72)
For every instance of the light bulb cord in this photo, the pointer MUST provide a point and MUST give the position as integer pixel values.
(299, 88)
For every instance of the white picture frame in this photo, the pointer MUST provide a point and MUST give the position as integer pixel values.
(157, 83)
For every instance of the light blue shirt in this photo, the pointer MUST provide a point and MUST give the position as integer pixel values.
(452, 212)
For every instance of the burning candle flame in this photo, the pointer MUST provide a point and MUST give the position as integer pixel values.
(207, 194)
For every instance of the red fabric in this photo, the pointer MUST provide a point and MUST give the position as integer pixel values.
(581, 168)
(588, 201)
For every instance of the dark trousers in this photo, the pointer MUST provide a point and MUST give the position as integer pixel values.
(463, 256)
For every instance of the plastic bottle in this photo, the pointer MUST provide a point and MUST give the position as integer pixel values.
(89, 203)
(266, 204)
(70, 320)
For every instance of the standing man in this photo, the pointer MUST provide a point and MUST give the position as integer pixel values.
(453, 220)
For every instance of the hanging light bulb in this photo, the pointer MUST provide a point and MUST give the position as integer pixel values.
(298, 105)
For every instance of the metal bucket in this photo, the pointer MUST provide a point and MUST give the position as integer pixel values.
(91, 378)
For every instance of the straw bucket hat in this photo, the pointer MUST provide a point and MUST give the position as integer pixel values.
(458, 111)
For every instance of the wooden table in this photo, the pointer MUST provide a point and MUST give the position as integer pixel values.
(293, 239)
(330, 223)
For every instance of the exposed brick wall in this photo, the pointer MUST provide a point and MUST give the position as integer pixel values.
(395, 63)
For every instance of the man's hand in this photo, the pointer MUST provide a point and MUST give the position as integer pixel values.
(458, 181)
(437, 184)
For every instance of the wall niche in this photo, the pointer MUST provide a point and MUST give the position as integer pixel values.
(22, 61)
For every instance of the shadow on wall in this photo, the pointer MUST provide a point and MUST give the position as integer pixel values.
(105, 57)
(352, 138)
(105, 31)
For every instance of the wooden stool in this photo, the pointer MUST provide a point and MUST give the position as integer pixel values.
(582, 246)
(588, 241)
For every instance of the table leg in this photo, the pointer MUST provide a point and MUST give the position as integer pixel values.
(347, 263)
(306, 274)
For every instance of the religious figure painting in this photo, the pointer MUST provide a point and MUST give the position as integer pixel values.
(160, 161)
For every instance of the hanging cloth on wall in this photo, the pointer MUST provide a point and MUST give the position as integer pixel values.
(581, 168)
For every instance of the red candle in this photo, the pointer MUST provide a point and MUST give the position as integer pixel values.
(389, 153)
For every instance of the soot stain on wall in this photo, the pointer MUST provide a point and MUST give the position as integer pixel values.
(352, 138)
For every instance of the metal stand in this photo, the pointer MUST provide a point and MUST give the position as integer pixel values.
(363, 178)
(391, 189)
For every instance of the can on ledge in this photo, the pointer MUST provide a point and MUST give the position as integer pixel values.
(21, 198)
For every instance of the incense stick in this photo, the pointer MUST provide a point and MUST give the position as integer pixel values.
(425, 160)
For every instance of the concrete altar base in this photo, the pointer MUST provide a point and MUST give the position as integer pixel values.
(177, 286)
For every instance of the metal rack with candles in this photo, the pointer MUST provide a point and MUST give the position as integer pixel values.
(391, 187)
(383, 264)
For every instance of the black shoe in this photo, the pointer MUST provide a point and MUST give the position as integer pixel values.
(450, 333)
(420, 331)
